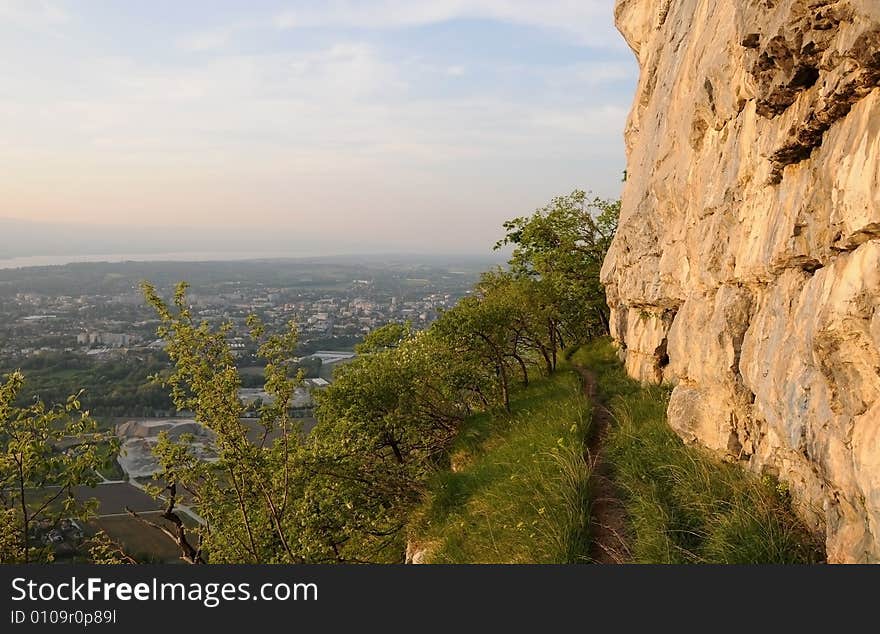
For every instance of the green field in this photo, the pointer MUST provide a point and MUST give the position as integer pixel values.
(145, 543)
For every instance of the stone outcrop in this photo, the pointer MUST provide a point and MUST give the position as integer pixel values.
(746, 269)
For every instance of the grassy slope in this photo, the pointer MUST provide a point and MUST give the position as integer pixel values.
(518, 490)
(685, 506)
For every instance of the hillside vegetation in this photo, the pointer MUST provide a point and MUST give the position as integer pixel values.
(683, 505)
(518, 487)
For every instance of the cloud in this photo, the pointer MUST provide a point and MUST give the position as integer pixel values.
(336, 131)
(588, 122)
(206, 40)
(32, 13)
(588, 21)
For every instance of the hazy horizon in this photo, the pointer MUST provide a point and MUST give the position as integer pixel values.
(190, 258)
(71, 242)
(355, 127)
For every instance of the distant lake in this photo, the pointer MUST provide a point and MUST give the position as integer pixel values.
(184, 256)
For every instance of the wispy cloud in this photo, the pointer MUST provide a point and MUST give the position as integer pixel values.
(30, 13)
(206, 40)
(587, 20)
(353, 128)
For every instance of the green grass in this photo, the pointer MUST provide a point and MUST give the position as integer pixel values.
(517, 491)
(684, 505)
(111, 469)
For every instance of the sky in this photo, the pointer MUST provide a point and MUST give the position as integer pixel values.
(390, 124)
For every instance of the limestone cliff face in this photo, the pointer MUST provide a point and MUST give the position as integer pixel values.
(746, 270)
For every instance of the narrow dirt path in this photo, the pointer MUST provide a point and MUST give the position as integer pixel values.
(608, 519)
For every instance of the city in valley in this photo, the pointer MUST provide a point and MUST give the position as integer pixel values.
(86, 326)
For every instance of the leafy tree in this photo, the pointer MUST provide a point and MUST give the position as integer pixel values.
(386, 337)
(310, 367)
(342, 493)
(108, 389)
(384, 424)
(480, 330)
(246, 497)
(104, 551)
(534, 316)
(45, 453)
(563, 245)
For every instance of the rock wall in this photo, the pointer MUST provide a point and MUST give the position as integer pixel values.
(746, 269)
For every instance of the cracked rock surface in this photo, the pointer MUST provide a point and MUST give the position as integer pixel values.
(746, 269)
